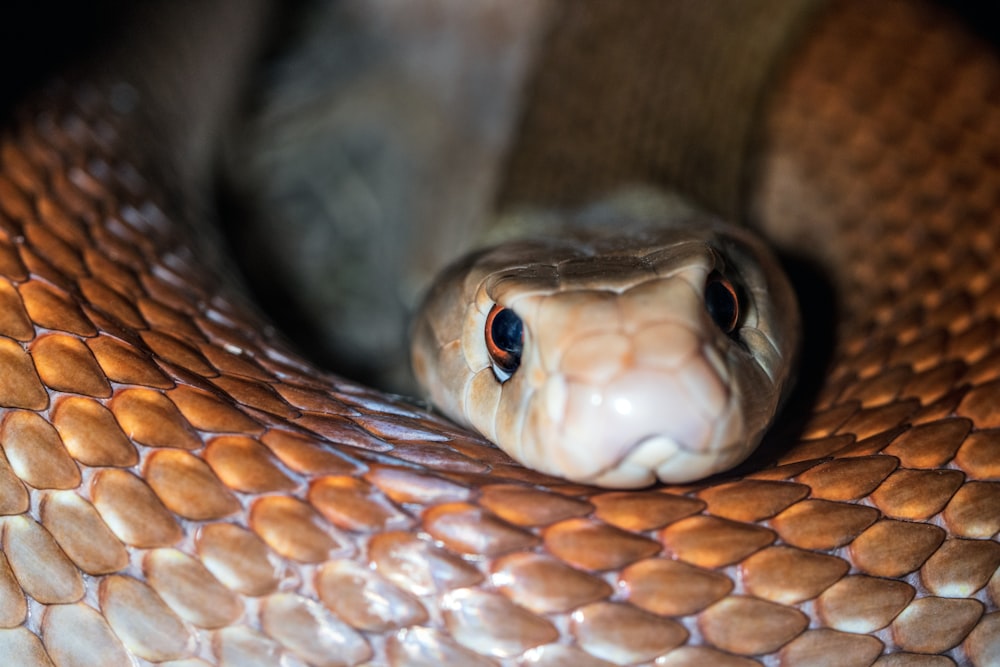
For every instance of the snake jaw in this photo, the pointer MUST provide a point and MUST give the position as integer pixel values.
(659, 458)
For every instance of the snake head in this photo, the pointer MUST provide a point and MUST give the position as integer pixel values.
(614, 359)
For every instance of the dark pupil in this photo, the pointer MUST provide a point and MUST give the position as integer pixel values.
(508, 332)
(721, 305)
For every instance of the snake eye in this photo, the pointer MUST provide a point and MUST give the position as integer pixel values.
(504, 341)
(722, 303)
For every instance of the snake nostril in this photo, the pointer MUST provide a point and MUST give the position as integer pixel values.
(722, 302)
(504, 341)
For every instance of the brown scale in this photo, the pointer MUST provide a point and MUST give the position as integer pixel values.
(229, 505)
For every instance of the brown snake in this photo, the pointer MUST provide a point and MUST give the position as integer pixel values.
(178, 487)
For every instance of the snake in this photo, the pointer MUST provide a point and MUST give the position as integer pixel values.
(179, 486)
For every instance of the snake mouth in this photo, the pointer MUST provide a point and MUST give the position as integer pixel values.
(637, 468)
(661, 458)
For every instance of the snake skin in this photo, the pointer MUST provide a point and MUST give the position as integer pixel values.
(177, 487)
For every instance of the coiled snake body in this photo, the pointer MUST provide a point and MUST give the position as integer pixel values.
(177, 487)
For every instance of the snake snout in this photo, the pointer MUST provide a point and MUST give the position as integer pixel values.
(643, 426)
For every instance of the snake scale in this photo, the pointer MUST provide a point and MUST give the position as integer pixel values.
(178, 487)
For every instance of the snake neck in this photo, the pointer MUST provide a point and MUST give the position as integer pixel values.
(663, 93)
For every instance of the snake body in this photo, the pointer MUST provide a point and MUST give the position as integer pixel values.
(178, 487)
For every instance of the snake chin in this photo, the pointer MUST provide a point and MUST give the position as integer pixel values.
(661, 458)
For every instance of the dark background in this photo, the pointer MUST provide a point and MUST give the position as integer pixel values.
(42, 36)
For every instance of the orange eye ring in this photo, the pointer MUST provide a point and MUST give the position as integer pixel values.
(504, 334)
(722, 302)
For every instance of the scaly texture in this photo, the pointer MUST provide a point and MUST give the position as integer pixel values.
(176, 486)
